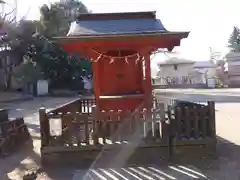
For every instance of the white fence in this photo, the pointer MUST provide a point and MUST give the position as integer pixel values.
(183, 80)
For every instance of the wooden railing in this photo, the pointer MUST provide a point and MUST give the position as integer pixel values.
(82, 105)
(86, 127)
(191, 121)
(101, 127)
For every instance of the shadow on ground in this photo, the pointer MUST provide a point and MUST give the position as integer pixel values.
(225, 166)
(15, 165)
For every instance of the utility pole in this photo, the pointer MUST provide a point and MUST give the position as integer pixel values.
(2, 6)
(16, 9)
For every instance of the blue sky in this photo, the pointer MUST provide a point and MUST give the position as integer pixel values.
(210, 21)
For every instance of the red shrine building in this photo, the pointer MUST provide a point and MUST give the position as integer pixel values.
(120, 45)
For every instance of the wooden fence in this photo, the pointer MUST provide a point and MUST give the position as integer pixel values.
(192, 128)
(82, 105)
(178, 130)
(80, 129)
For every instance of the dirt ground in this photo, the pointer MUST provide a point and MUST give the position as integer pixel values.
(225, 167)
(227, 126)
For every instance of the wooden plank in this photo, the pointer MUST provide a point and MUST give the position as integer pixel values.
(196, 111)
(212, 118)
(204, 121)
(103, 125)
(187, 142)
(77, 128)
(178, 117)
(187, 124)
(95, 124)
(113, 123)
(119, 125)
(55, 149)
(162, 123)
(122, 96)
(3, 115)
(149, 125)
(127, 123)
(44, 127)
(133, 121)
(144, 122)
(86, 129)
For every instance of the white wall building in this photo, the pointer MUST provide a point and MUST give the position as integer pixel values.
(178, 70)
(233, 66)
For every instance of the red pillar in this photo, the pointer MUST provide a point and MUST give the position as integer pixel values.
(96, 80)
(148, 83)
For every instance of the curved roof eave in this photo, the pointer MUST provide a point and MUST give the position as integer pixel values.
(177, 35)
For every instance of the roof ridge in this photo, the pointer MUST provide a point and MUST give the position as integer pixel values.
(117, 15)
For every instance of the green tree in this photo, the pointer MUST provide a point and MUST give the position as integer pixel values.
(54, 62)
(234, 40)
(14, 41)
(56, 18)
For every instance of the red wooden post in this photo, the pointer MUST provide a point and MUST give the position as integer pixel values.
(148, 84)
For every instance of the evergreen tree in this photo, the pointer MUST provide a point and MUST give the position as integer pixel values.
(53, 62)
(234, 40)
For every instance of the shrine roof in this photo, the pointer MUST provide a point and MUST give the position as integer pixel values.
(117, 24)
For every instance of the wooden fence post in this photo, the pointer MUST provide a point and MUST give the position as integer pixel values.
(95, 124)
(44, 127)
(3, 115)
(211, 106)
(80, 106)
(213, 144)
(162, 123)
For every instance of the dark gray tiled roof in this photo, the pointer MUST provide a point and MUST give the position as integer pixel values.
(116, 27)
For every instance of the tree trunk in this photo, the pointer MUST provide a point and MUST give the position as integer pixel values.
(7, 73)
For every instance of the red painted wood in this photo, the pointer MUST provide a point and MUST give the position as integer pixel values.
(111, 82)
(118, 78)
(106, 76)
(148, 84)
(137, 44)
(123, 104)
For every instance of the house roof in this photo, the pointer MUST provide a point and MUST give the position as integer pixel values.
(170, 58)
(174, 60)
(104, 24)
(204, 64)
(232, 56)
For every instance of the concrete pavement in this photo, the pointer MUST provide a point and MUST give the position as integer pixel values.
(222, 91)
(7, 97)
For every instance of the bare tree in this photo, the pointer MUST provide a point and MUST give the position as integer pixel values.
(10, 43)
(214, 55)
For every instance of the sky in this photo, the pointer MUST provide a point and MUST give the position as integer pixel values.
(210, 22)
